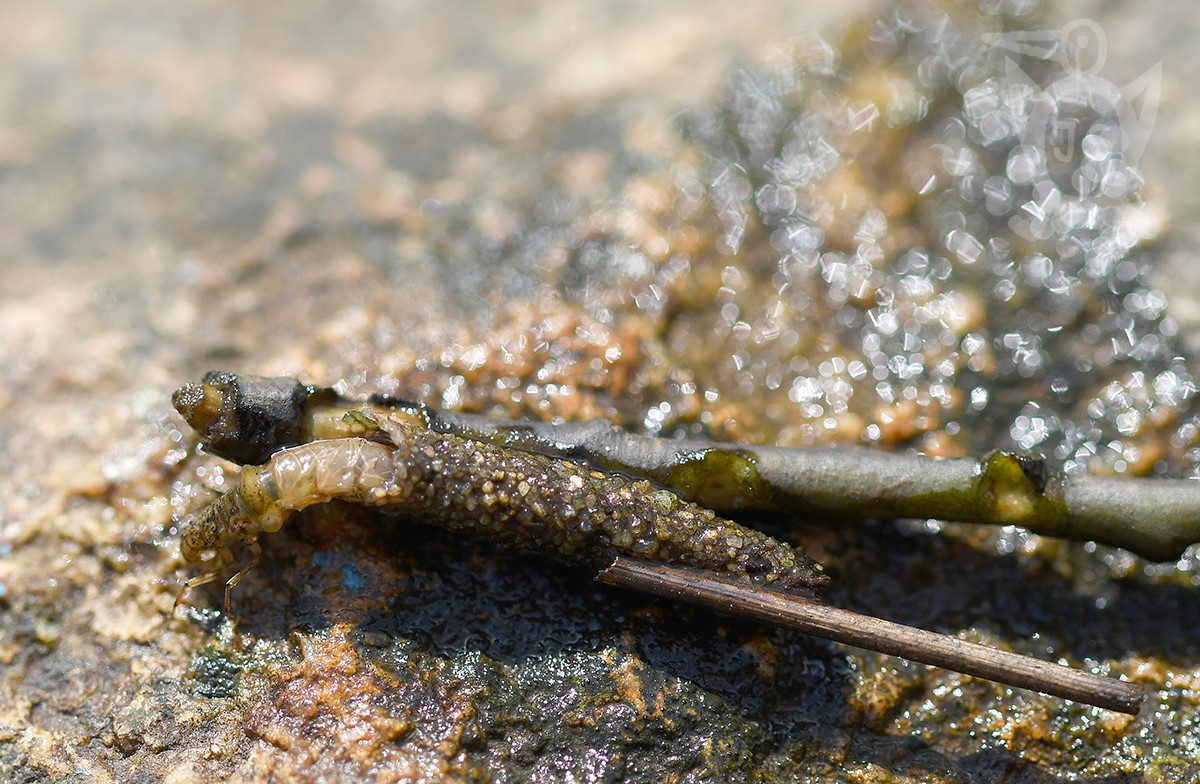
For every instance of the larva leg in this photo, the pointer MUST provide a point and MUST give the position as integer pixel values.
(188, 585)
(255, 554)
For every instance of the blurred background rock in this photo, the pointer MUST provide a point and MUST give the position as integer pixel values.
(371, 194)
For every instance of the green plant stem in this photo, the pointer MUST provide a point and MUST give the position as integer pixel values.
(1154, 518)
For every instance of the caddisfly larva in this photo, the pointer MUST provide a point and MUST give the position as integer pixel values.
(520, 499)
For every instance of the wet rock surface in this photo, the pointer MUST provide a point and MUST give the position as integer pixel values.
(861, 239)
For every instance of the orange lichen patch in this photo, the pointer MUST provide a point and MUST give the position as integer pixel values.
(884, 691)
(637, 690)
(1038, 731)
(630, 685)
(904, 420)
(941, 444)
(328, 712)
(765, 653)
(1114, 724)
(1151, 673)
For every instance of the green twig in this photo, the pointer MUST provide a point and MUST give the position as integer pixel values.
(1154, 518)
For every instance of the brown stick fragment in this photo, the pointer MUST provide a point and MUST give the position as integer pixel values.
(876, 634)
